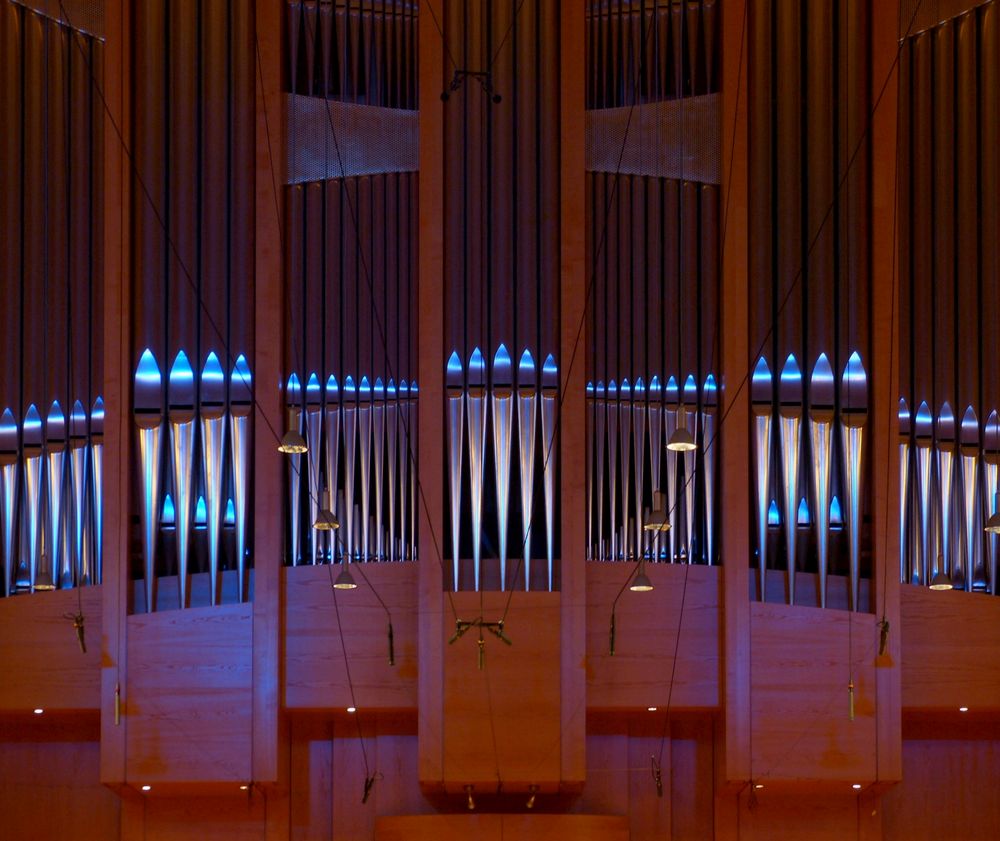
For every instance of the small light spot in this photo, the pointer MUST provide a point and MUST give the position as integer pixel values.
(352, 709)
(960, 709)
(146, 788)
(759, 786)
(244, 787)
(856, 786)
(651, 709)
(38, 710)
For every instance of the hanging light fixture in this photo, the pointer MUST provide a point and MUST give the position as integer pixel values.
(681, 440)
(941, 581)
(326, 520)
(292, 442)
(657, 519)
(641, 583)
(345, 581)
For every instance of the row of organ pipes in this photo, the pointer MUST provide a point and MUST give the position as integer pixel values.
(622, 418)
(50, 498)
(480, 401)
(192, 427)
(943, 521)
(361, 457)
(806, 405)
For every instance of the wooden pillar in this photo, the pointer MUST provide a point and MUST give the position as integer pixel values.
(736, 398)
(430, 376)
(574, 278)
(267, 747)
(885, 391)
(118, 428)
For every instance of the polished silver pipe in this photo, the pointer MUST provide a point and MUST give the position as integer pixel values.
(392, 446)
(314, 461)
(969, 570)
(455, 390)
(600, 423)
(655, 423)
(180, 413)
(293, 399)
(332, 455)
(476, 407)
(240, 410)
(762, 407)
(350, 417)
(709, 411)
(853, 415)
(148, 400)
(378, 455)
(365, 454)
(638, 461)
(55, 458)
(527, 411)
(624, 459)
(78, 558)
(672, 395)
(924, 439)
(903, 418)
(945, 430)
(789, 426)
(96, 521)
(407, 465)
(550, 392)
(613, 413)
(690, 420)
(503, 421)
(8, 497)
(213, 436)
(822, 402)
(39, 571)
(991, 460)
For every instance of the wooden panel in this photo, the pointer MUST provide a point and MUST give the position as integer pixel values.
(496, 827)
(946, 663)
(49, 786)
(314, 661)
(639, 674)
(503, 722)
(189, 714)
(802, 661)
(39, 646)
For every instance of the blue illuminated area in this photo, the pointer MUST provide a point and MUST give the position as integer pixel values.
(625, 389)
(836, 515)
(314, 393)
(803, 517)
(599, 390)
(147, 374)
(97, 413)
(349, 388)
(903, 416)
(690, 390)
(32, 426)
(526, 368)
(181, 372)
(414, 388)
(293, 391)
(229, 519)
(453, 370)
(590, 389)
(924, 421)
(240, 381)
(169, 516)
(854, 387)
(55, 424)
(503, 372)
(404, 389)
(791, 373)
(8, 432)
(612, 390)
(970, 424)
(379, 389)
(78, 421)
(655, 388)
(639, 389)
(711, 393)
(365, 389)
(673, 390)
(761, 383)
(477, 367)
(200, 514)
(773, 515)
(549, 366)
(332, 389)
(212, 374)
(390, 389)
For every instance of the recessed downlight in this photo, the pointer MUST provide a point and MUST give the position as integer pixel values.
(244, 787)
(856, 786)
(38, 710)
(651, 709)
(963, 709)
(759, 786)
(352, 709)
(146, 787)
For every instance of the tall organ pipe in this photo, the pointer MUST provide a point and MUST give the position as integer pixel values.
(454, 385)
(213, 436)
(789, 421)
(550, 390)
(853, 414)
(477, 408)
(822, 400)
(240, 408)
(148, 398)
(314, 459)
(180, 406)
(503, 420)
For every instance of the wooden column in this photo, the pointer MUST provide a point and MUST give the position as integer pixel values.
(885, 390)
(430, 376)
(118, 429)
(735, 398)
(574, 278)
(267, 745)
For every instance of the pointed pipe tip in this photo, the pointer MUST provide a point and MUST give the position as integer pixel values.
(148, 394)
(822, 387)
(672, 393)
(945, 426)
(314, 393)
(904, 419)
(969, 431)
